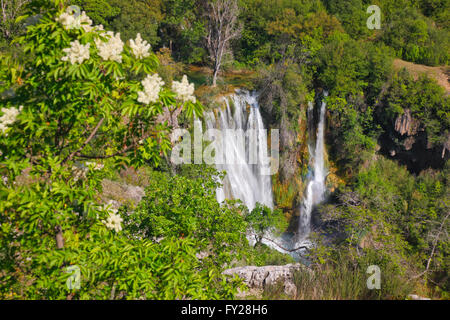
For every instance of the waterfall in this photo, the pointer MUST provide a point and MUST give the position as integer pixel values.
(243, 178)
(315, 189)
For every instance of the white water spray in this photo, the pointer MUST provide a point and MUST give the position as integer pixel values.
(243, 178)
(243, 181)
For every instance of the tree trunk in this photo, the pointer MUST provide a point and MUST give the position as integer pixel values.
(216, 71)
(222, 18)
(59, 238)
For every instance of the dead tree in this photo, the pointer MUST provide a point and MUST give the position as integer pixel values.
(10, 11)
(222, 16)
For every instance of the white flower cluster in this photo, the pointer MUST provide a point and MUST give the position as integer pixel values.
(9, 117)
(114, 220)
(184, 90)
(79, 173)
(140, 47)
(111, 49)
(85, 22)
(69, 21)
(77, 52)
(152, 85)
(95, 166)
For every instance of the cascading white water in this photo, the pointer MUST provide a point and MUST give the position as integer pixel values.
(315, 189)
(244, 181)
(243, 178)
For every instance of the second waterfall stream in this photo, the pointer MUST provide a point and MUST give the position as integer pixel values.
(315, 190)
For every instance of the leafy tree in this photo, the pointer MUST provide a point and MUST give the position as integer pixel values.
(352, 15)
(63, 112)
(263, 220)
(183, 30)
(415, 39)
(306, 30)
(126, 17)
(343, 66)
(439, 10)
(100, 11)
(178, 206)
(390, 216)
(353, 135)
(138, 17)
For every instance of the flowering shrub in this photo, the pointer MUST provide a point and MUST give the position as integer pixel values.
(83, 98)
(184, 90)
(140, 47)
(152, 86)
(114, 221)
(77, 53)
(112, 48)
(9, 117)
(70, 21)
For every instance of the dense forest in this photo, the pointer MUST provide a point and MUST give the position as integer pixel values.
(92, 90)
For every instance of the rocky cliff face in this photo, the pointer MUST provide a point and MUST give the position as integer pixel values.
(407, 141)
(406, 125)
(259, 278)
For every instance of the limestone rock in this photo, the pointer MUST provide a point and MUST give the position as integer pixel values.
(258, 278)
(116, 193)
(446, 146)
(405, 124)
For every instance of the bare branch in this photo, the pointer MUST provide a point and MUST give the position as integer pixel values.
(280, 246)
(433, 250)
(85, 143)
(125, 149)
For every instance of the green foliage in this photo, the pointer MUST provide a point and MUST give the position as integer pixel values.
(74, 118)
(395, 220)
(354, 132)
(137, 16)
(12, 23)
(346, 66)
(127, 17)
(262, 255)
(355, 73)
(183, 30)
(415, 38)
(262, 220)
(439, 10)
(272, 28)
(352, 15)
(424, 98)
(283, 89)
(343, 277)
(51, 213)
(100, 11)
(177, 206)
